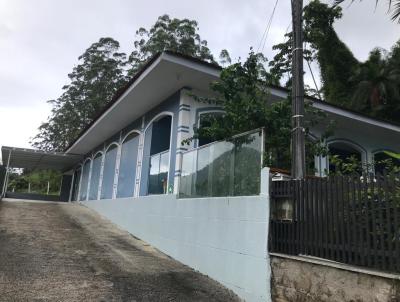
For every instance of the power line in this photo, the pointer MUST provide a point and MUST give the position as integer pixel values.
(312, 73)
(267, 28)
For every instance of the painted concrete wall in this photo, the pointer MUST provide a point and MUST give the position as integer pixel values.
(224, 238)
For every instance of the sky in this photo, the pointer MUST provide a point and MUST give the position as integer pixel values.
(40, 41)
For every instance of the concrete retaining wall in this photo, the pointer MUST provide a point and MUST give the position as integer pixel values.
(296, 280)
(224, 237)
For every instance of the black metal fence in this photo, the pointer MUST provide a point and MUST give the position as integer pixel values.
(353, 220)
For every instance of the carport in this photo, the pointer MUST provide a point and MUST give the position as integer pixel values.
(32, 159)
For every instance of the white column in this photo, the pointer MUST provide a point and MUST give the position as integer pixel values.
(184, 131)
(118, 162)
(5, 181)
(89, 179)
(101, 173)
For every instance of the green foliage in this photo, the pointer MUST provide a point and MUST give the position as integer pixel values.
(392, 154)
(103, 69)
(38, 180)
(377, 85)
(353, 165)
(93, 82)
(242, 92)
(335, 60)
(372, 87)
(178, 35)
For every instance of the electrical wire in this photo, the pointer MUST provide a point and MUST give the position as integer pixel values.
(267, 28)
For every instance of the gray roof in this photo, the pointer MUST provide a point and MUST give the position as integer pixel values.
(37, 159)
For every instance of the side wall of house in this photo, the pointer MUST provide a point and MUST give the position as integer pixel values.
(142, 126)
(224, 238)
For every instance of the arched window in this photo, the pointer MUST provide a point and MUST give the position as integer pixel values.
(109, 172)
(343, 151)
(127, 167)
(381, 160)
(75, 188)
(205, 120)
(85, 180)
(156, 156)
(95, 177)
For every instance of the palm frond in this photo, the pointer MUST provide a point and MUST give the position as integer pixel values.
(396, 11)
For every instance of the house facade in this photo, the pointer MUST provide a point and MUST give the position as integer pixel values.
(134, 148)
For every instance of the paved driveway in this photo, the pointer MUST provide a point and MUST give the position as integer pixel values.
(65, 252)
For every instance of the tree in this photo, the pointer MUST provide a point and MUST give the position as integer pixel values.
(93, 82)
(335, 60)
(394, 6)
(377, 89)
(243, 93)
(102, 70)
(178, 35)
(371, 87)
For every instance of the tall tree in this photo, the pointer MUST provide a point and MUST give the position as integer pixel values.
(377, 88)
(103, 69)
(178, 35)
(93, 82)
(335, 60)
(371, 87)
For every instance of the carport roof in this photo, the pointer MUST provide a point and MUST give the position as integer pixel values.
(37, 159)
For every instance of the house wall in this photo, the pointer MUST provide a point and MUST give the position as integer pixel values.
(224, 238)
(143, 126)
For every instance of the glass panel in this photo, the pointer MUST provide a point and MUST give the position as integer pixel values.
(127, 168)
(163, 176)
(108, 173)
(202, 172)
(158, 178)
(85, 180)
(222, 167)
(228, 168)
(247, 165)
(186, 184)
(95, 178)
(76, 185)
(153, 177)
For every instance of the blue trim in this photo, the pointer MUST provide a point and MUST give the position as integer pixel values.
(183, 127)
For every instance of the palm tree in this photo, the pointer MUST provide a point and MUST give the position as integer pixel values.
(377, 85)
(394, 6)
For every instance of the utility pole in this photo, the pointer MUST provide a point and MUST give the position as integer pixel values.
(298, 147)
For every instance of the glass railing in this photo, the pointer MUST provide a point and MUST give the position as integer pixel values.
(223, 168)
(158, 175)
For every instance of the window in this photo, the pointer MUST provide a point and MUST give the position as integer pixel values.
(159, 156)
(127, 168)
(109, 172)
(95, 178)
(75, 188)
(344, 152)
(85, 180)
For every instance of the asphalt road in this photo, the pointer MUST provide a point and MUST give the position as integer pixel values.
(65, 252)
